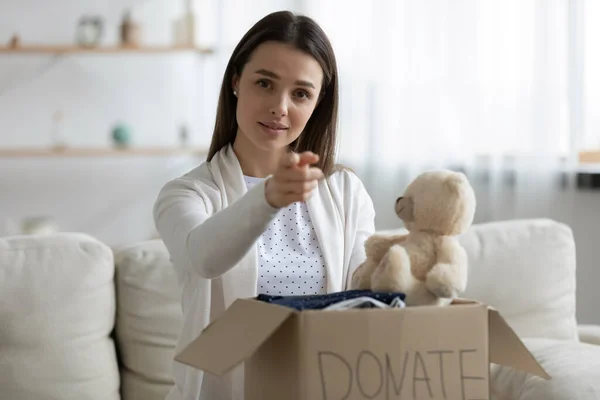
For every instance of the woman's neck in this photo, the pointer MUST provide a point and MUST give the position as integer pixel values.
(254, 161)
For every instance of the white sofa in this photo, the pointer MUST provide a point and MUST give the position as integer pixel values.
(79, 320)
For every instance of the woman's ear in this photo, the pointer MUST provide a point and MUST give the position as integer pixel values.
(235, 81)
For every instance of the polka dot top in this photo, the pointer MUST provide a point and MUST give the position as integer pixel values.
(290, 259)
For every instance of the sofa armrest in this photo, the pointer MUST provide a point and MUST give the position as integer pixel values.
(589, 334)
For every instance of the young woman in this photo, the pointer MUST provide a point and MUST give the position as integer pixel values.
(268, 212)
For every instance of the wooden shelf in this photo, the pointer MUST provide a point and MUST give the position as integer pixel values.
(102, 152)
(43, 49)
(589, 156)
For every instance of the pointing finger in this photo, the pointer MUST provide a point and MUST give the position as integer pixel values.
(308, 157)
(290, 159)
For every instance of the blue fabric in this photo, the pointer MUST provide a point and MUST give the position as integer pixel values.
(320, 301)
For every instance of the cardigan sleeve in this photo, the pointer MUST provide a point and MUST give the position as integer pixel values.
(360, 210)
(211, 244)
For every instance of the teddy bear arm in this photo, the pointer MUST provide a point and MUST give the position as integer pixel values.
(448, 276)
(450, 251)
(361, 277)
(376, 246)
(393, 274)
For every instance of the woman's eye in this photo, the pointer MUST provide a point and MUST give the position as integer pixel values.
(303, 94)
(263, 83)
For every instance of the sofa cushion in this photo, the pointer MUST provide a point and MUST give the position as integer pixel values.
(574, 368)
(148, 319)
(525, 269)
(57, 308)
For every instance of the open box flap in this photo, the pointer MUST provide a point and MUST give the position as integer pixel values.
(234, 337)
(507, 349)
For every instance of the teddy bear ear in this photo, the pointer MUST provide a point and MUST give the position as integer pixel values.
(405, 209)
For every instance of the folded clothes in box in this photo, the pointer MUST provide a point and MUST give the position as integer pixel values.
(338, 300)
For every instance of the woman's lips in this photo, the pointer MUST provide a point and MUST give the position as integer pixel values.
(273, 128)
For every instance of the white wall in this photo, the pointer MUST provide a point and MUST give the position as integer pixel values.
(154, 94)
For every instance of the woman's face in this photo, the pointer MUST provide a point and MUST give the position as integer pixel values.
(277, 93)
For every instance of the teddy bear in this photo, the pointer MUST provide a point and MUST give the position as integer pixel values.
(428, 264)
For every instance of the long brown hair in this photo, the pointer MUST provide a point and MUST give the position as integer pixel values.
(320, 132)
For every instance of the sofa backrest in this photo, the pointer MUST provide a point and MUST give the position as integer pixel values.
(57, 313)
(148, 319)
(525, 269)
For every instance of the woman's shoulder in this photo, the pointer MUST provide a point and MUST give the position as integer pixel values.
(347, 187)
(199, 180)
(345, 179)
(349, 192)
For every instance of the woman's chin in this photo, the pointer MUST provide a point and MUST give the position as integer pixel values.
(272, 142)
(264, 141)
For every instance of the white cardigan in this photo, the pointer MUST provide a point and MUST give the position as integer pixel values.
(210, 224)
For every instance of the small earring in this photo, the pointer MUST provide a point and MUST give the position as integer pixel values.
(235, 93)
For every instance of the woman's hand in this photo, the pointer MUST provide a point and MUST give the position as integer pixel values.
(294, 179)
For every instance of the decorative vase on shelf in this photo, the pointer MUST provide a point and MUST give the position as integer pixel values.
(15, 41)
(58, 141)
(184, 135)
(89, 31)
(39, 225)
(130, 32)
(121, 135)
(185, 27)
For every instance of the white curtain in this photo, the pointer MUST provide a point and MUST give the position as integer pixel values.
(491, 88)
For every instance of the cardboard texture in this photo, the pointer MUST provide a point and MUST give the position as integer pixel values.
(411, 353)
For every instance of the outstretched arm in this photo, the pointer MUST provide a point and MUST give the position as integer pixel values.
(211, 243)
(214, 242)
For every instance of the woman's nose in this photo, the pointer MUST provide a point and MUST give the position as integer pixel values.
(279, 109)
